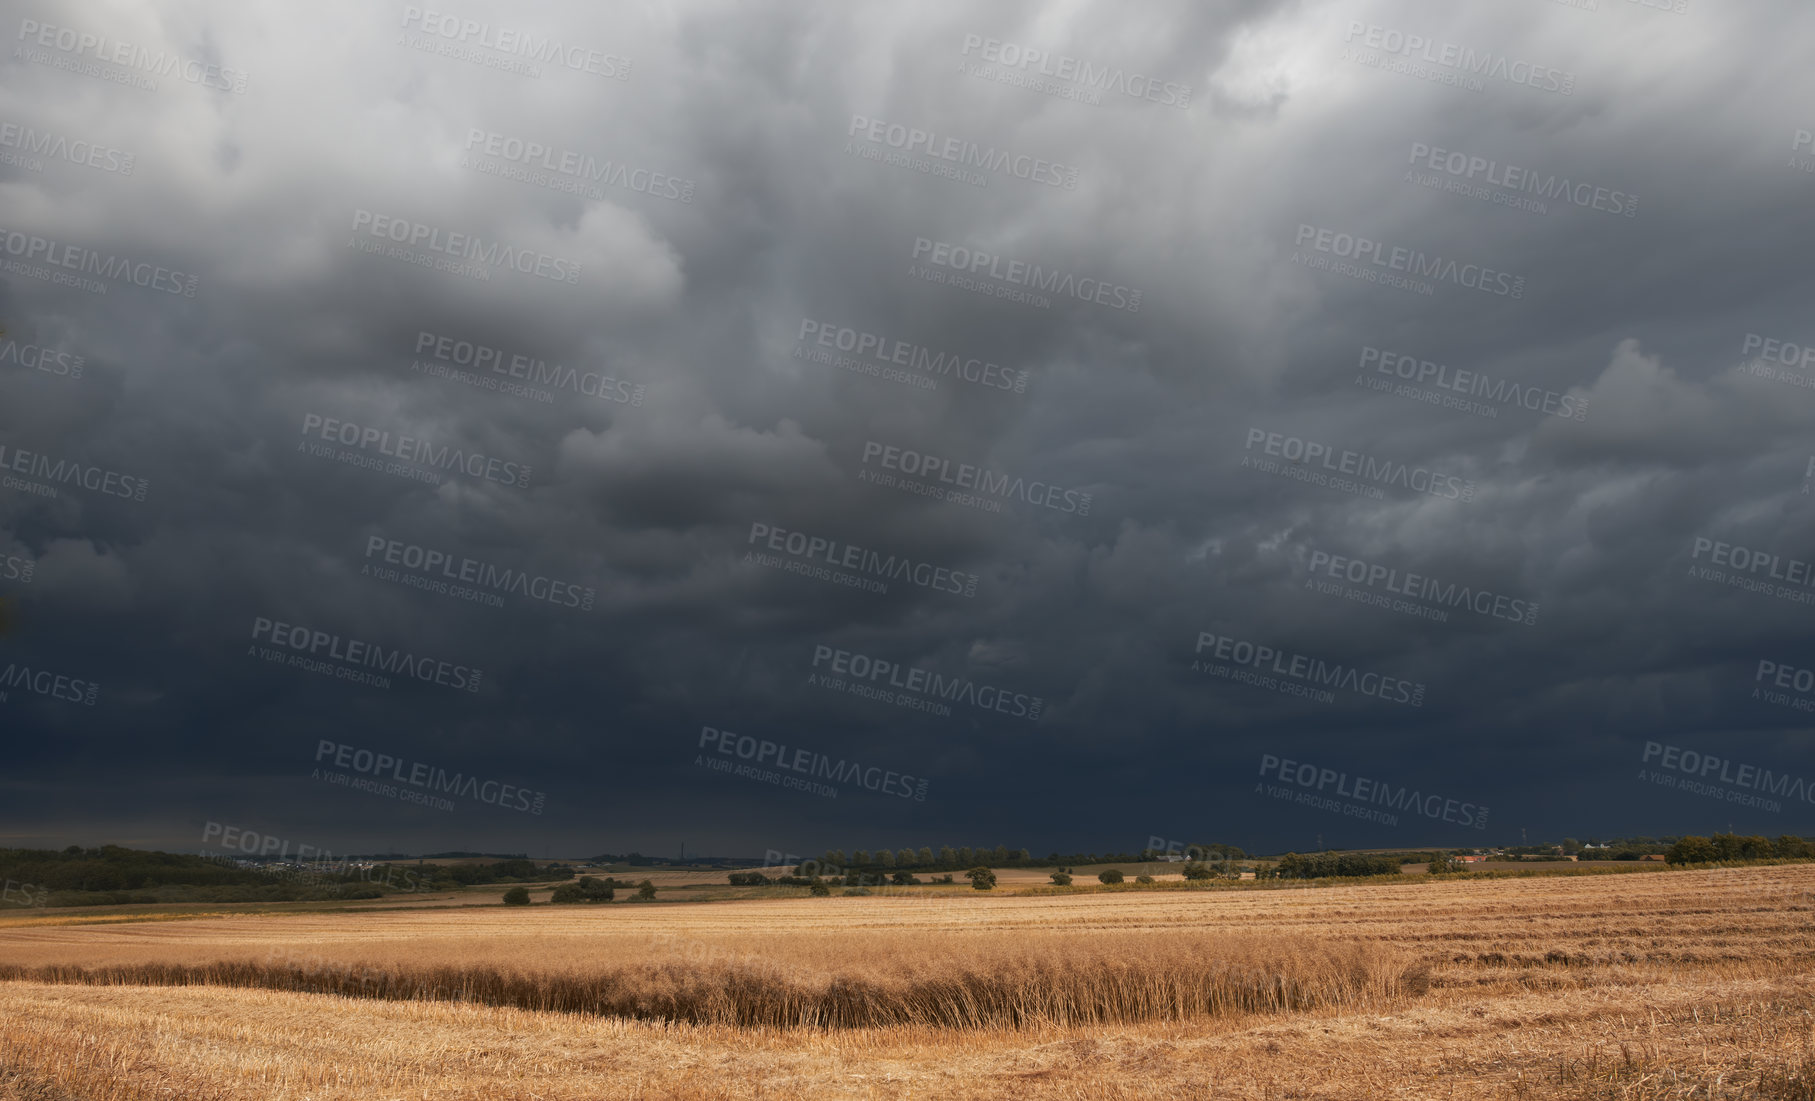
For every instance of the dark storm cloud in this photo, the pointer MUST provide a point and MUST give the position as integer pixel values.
(721, 180)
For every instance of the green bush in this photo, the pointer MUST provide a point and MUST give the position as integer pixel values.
(819, 889)
(517, 896)
(1063, 879)
(1110, 875)
(645, 891)
(981, 878)
(586, 889)
(1143, 878)
(1692, 850)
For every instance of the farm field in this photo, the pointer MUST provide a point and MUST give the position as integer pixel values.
(1669, 985)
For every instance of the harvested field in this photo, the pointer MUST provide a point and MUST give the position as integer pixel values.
(1685, 984)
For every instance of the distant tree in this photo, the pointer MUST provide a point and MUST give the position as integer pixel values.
(1143, 878)
(1021, 856)
(966, 856)
(1756, 847)
(645, 890)
(1110, 875)
(885, 858)
(999, 855)
(1197, 870)
(861, 858)
(1442, 862)
(1789, 845)
(1571, 845)
(818, 888)
(517, 896)
(1691, 850)
(1063, 879)
(946, 878)
(981, 878)
(924, 857)
(585, 889)
(906, 859)
(904, 879)
(946, 856)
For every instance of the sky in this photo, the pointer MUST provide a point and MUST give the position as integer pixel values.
(571, 428)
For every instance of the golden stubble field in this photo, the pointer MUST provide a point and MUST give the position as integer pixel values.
(1693, 984)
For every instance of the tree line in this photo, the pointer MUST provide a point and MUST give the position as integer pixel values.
(1727, 846)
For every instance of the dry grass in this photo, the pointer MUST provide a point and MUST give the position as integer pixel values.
(1687, 985)
(1060, 981)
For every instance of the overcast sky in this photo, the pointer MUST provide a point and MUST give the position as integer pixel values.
(1396, 389)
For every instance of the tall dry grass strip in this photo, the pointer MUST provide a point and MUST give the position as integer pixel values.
(974, 989)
